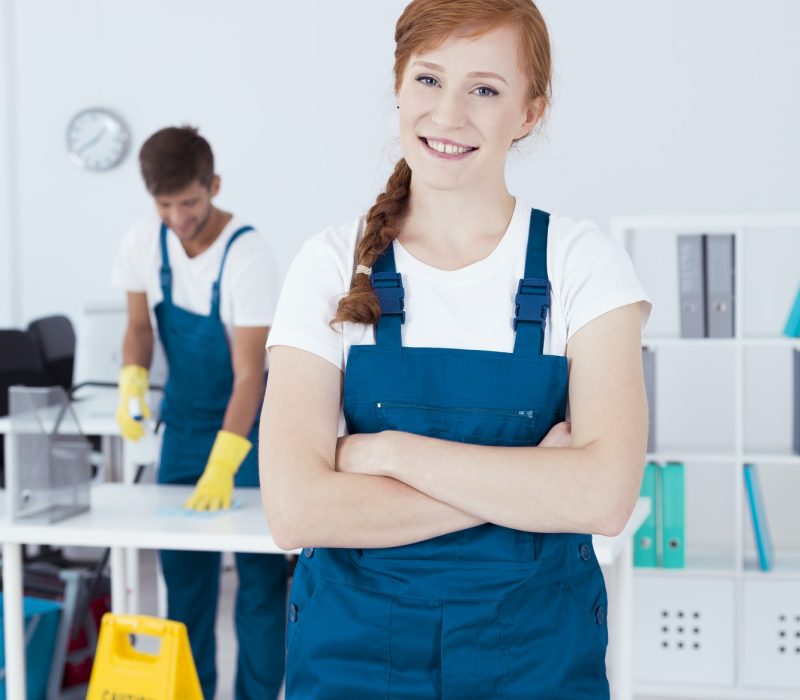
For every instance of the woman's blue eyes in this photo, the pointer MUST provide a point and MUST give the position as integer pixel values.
(427, 80)
(482, 91)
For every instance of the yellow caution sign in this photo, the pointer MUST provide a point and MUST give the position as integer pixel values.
(121, 671)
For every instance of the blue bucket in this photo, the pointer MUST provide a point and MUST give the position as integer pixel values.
(41, 627)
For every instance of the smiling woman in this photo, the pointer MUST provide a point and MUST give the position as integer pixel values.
(414, 435)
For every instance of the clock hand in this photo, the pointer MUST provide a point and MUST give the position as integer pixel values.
(91, 142)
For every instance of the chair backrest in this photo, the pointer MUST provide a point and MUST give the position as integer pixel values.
(55, 339)
(20, 363)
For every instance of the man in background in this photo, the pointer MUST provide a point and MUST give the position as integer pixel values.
(207, 283)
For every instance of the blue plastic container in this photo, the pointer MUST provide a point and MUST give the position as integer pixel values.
(41, 627)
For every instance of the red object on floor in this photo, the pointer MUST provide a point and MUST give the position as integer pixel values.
(83, 644)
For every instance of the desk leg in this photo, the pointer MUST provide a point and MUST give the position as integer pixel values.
(110, 463)
(127, 458)
(622, 647)
(14, 621)
(132, 581)
(119, 593)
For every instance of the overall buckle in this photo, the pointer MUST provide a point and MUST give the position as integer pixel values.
(388, 287)
(532, 301)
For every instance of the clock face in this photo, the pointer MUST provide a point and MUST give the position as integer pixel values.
(97, 139)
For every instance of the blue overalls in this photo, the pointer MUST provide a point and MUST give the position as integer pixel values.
(196, 395)
(484, 613)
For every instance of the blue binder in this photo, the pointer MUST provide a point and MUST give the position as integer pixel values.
(758, 515)
(673, 521)
(645, 547)
(792, 328)
(796, 403)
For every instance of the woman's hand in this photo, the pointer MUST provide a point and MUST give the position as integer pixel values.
(560, 435)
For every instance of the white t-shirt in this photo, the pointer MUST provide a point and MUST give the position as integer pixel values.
(469, 308)
(249, 286)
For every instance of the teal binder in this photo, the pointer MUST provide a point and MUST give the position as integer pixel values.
(758, 515)
(792, 328)
(673, 522)
(645, 548)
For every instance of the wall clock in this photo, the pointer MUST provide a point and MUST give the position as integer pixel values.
(97, 139)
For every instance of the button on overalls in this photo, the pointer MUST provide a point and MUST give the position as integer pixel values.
(487, 612)
(196, 394)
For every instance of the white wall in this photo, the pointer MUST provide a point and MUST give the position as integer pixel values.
(7, 199)
(679, 107)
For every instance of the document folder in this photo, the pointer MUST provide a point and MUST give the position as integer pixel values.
(691, 284)
(720, 273)
(673, 516)
(645, 541)
(758, 515)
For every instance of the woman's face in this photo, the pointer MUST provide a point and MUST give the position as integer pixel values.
(461, 106)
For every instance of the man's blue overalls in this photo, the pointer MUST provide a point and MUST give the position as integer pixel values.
(484, 613)
(196, 395)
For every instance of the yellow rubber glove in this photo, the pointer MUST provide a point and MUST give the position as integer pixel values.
(132, 389)
(215, 487)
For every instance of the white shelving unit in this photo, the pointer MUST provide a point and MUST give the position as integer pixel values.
(720, 628)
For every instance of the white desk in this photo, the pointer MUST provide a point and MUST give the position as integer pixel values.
(94, 408)
(131, 516)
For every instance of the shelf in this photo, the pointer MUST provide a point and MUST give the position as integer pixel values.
(777, 342)
(669, 341)
(681, 454)
(761, 457)
(751, 342)
(785, 565)
(711, 224)
(722, 403)
(722, 564)
(698, 564)
(695, 692)
(782, 458)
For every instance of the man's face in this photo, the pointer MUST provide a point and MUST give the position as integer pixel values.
(187, 211)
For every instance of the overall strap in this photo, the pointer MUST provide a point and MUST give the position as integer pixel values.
(165, 273)
(216, 286)
(533, 295)
(388, 286)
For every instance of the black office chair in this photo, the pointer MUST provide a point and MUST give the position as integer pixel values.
(20, 363)
(55, 338)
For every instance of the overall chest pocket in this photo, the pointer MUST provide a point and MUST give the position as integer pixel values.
(507, 427)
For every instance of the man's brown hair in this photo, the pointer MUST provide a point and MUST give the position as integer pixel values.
(173, 158)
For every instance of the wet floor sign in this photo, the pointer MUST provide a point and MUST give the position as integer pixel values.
(122, 671)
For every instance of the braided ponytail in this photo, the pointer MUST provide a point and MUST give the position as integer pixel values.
(361, 304)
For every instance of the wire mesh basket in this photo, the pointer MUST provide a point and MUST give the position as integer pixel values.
(49, 475)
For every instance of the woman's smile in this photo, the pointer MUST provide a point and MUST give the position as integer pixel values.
(445, 148)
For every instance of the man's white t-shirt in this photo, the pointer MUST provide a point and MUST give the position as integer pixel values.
(469, 308)
(248, 289)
